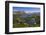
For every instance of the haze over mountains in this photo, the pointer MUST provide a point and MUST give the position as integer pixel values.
(25, 14)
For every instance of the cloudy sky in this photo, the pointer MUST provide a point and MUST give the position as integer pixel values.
(26, 9)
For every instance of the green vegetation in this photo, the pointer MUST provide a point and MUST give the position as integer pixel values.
(21, 22)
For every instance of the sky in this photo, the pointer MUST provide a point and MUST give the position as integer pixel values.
(26, 9)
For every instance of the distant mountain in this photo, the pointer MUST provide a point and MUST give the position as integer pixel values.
(17, 11)
(24, 15)
(36, 13)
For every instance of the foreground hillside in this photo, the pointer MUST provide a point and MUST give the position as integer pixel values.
(22, 19)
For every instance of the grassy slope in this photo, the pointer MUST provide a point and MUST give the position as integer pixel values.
(15, 24)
